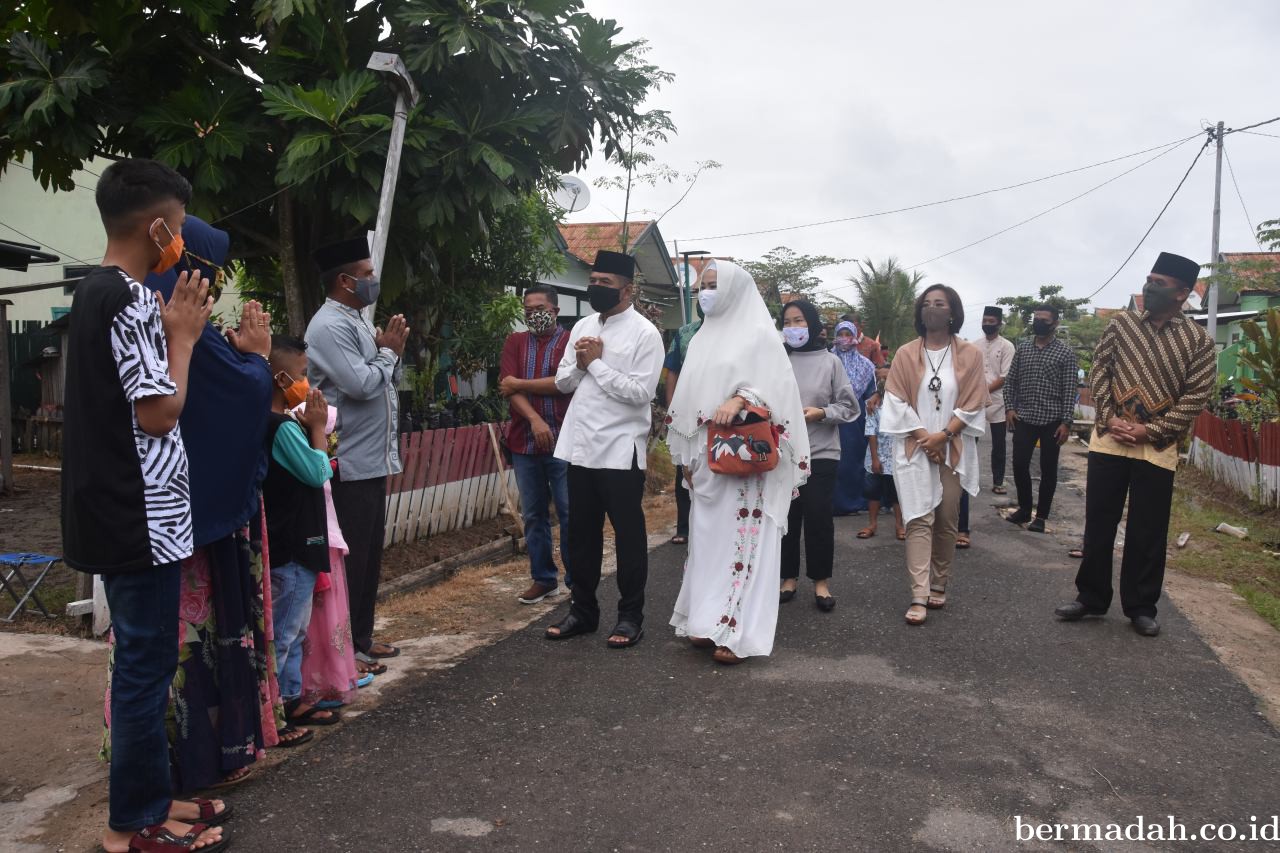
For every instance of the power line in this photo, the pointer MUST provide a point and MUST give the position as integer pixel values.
(46, 245)
(1249, 127)
(1174, 143)
(1256, 133)
(1247, 218)
(33, 171)
(1156, 220)
(1048, 210)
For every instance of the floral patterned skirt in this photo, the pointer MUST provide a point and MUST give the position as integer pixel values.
(729, 593)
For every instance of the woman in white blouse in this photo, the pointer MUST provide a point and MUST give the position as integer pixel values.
(729, 595)
(935, 402)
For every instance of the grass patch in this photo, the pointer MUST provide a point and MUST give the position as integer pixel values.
(1199, 504)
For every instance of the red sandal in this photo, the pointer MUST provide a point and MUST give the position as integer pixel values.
(160, 839)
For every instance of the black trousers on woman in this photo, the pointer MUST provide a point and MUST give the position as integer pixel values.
(810, 516)
(1149, 489)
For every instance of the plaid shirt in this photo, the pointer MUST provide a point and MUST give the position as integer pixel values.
(1041, 385)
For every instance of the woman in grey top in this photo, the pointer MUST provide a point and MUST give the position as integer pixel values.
(828, 401)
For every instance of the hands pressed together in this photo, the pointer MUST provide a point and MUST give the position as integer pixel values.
(395, 335)
(1127, 432)
(254, 334)
(183, 316)
(587, 350)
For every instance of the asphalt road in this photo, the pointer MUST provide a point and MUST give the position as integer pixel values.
(859, 733)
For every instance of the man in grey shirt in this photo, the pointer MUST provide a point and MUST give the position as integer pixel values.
(357, 368)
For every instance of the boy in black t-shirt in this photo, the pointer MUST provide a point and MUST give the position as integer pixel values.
(126, 509)
(297, 526)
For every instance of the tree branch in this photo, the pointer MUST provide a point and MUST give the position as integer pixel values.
(213, 59)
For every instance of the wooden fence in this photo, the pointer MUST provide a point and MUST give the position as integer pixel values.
(1234, 453)
(450, 481)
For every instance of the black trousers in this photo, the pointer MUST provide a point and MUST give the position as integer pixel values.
(682, 504)
(997, 431)
(810, 515)
(593, 494)
(361, 507)
(1025, 436)
(1149, 489)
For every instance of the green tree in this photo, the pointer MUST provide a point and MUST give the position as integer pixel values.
(886, 300)
(1051, 294)
(783, 271)
(1083, 334)
(266, 106)
(1262, 356)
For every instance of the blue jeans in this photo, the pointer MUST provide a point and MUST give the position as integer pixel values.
(291, 590)
(144, 621)
(537, 478)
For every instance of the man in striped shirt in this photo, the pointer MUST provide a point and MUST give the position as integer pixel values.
(1153, 372)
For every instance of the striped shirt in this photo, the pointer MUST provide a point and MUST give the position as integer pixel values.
(1161, 377)
(1041, 384)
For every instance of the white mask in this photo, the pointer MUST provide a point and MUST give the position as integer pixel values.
(707, 299)
(796, 336)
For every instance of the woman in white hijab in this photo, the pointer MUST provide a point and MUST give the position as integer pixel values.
(729, 596)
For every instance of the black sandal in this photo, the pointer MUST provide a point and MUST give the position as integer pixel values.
(308, 717)
(302, 736)
(628, 629)
(570, 626)
(679, 539)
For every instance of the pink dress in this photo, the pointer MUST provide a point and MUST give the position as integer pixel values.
(328, 658)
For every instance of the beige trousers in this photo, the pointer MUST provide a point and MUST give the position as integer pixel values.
(931, 540)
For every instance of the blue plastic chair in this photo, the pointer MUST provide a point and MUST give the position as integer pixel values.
(12, 566)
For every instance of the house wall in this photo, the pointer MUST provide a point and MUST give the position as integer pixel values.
(64, 223)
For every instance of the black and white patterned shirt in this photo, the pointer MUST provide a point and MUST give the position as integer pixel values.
(1041, 385)
(126, 494)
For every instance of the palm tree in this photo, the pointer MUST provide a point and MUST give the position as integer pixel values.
(886, 300)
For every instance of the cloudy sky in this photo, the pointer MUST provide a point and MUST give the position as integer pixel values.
(822, 110)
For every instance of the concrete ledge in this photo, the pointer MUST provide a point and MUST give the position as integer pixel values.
(436, 572)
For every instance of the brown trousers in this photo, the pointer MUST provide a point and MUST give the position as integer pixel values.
(931, 540)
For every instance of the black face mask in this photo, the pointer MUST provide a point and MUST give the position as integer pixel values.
(603, 298)
(989, 330)
(1042, 328)
(1157, 299)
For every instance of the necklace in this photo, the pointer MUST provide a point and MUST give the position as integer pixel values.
(935, 384)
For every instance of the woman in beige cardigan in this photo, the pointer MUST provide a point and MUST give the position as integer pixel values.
(935, 401)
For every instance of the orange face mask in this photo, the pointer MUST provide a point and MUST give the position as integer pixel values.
(295, 393)
(170, 254)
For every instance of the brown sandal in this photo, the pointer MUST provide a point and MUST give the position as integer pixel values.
(937, 599)
(914, 619)
(702, 642)
(866, 533)
(902, 536)
(726, 657)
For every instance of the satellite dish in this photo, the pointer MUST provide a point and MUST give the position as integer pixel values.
(573, 194)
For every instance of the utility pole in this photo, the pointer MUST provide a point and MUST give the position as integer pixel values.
(1212, 323)
(684, 288)
(406, 97)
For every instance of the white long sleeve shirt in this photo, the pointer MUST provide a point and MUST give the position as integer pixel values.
(609, 418)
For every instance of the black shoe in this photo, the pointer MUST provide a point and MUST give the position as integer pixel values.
(1021, 516)
(826, 603)
(1147, 626)
(1036, 526)
(1075, 611)
(570, 626)
(786, 595)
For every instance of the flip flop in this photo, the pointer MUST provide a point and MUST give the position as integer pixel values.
(999, 490)
(373, 668)
(297, 741)
(1076, 553)
(395, 652)
(231, 781)
(902, 536)
(866, 533)
(962, 540)
(679, 540)
(367, 678)
(308, 717)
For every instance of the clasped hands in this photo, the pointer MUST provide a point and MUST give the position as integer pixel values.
(587, 349)
(1127, 432)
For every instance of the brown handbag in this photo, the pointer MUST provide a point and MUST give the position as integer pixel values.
(746, 448)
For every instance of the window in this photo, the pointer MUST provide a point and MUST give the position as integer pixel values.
(73, 271)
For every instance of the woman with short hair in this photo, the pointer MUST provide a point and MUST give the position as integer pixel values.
(935, 402)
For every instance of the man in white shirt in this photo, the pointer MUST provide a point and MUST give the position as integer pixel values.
(997, 356)
(611, 367)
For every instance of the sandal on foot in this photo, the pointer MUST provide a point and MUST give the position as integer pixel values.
(1076, 553)
(786, 595)
(999, 490)
(679, 539)
(629, 631)
(160, 839)
(962, 540)
(937, 599)
(702, 642)
(914, 618)
(570, 626)
(866, 533)
(726, 657)
(235, 777)
(209, 815)
(902, 536)
(389, 651)
(291, 735)
(308, 717)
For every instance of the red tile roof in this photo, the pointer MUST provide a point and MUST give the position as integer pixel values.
(586, 238)
(1260, 266)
